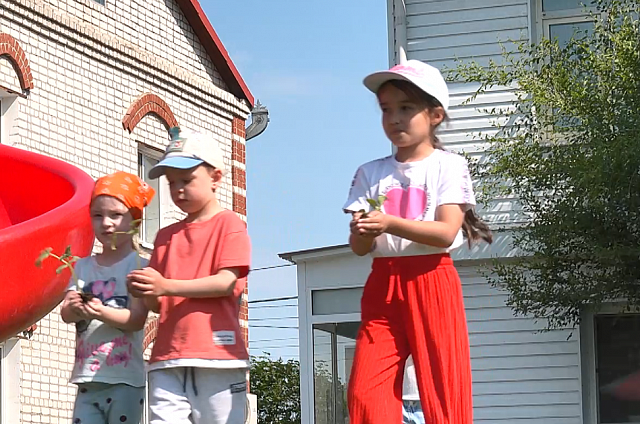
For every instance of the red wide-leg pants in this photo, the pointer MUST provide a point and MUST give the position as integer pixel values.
(412, 305)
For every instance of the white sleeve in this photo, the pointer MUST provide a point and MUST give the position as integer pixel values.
(455, 186)
(359, 192)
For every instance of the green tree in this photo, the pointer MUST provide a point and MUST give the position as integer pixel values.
(277, 386)
(570, 152)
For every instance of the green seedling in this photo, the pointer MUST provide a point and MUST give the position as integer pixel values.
(67, 259)
(375, 204)
(134, 231)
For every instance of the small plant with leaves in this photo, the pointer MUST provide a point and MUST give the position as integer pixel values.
(67, 259)
(134, 232)
(375, 204)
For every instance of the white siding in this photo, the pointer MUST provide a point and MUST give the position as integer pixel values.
(519, 374)
(441, 32)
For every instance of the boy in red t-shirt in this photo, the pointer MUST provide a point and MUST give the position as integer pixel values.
(198, 270)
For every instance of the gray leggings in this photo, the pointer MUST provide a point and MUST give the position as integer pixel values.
(101, 403)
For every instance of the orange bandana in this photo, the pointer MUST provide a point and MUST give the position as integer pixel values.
(128, 188)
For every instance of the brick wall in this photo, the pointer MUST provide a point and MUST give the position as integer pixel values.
(239, 183)
(46, 362)
(89, 64)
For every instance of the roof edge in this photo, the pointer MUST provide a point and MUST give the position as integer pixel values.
(215, 49)
(317, 252)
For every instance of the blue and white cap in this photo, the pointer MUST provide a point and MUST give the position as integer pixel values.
(187, 150)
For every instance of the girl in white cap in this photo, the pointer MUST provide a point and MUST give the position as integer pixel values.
(412, 302)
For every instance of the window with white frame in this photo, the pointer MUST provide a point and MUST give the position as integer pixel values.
(152, 215)
(617, 368)
(8, 114)
(561, 19)
(333, 351)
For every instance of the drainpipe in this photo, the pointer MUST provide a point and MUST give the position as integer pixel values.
(259, 121)
(398, 37)
(399, 30)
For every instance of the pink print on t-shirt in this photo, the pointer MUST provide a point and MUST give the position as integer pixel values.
(408, 203)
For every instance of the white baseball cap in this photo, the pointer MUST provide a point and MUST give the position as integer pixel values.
(425, 77)
(187, 150)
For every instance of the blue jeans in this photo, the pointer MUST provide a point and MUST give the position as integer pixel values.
(412, 412)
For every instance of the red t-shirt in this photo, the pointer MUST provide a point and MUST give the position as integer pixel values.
(202, 328)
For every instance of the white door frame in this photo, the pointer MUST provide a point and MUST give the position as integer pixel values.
(10, 381)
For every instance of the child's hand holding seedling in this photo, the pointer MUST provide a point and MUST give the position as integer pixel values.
(147, 282)
(94, 308)
(77, 304)
(370, 224)
(375, 204)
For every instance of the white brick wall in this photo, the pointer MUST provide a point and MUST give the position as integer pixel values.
(89, 63)
(45, 364)
(166, 34)
(8, 76)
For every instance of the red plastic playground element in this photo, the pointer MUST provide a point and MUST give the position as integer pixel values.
(43, 203)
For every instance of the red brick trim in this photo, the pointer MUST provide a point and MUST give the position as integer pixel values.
(240, 204)
(238, 152)
(238, 126)
(150, 332)
(239, 177)
(245, 336)
(144, 105)
(244, 315)
(9, 46)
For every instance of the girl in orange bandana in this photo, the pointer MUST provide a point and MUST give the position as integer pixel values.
(109, 369)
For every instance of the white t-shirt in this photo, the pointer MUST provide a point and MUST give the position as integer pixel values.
(414, 190)
(410, 383)
(105, 354)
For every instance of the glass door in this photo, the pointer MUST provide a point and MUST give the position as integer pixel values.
(333, 350)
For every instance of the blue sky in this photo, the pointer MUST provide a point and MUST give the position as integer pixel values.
(305, 61)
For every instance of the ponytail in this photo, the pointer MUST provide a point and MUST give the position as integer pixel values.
(473, 227)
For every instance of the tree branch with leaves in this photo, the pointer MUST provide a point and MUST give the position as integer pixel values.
(276, 384)
(568, 150)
